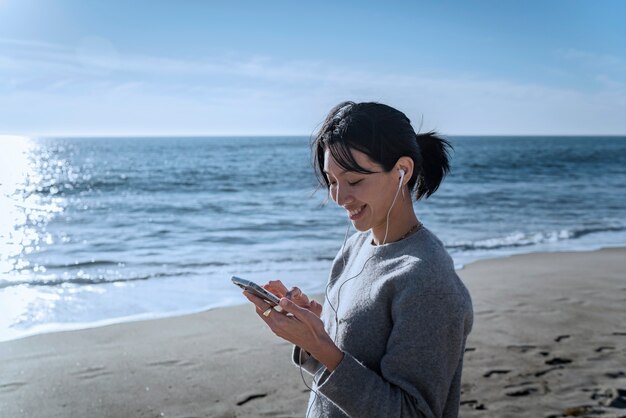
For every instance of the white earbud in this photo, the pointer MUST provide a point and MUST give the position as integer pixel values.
(402, 173)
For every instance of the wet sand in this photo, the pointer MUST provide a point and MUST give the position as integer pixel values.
(549, 340)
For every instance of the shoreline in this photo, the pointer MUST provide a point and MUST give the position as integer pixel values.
(548, 339)
(71, 327)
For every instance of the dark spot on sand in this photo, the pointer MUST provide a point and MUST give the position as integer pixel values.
(542, 372)
(164, 363)
(615, 375)
(599, 358)
(604, 348)
(521, 348)
(558, 360)
(600, 395)
(561, 337)
(520, 384)
(579, 411)
(522, 392)
(492, 372)
(544, 353)
(619, 399)
(623, 334)
(250, 397)
(9, 387)
(470, 349)
(474, 404)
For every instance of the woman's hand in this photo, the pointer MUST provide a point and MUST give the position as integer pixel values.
(303, 328)
(295, 294)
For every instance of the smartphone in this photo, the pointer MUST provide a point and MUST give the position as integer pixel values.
(256, 290)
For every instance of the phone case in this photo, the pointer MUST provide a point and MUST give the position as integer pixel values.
(256, 290)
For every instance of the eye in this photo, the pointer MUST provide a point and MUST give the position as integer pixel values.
(355, 183)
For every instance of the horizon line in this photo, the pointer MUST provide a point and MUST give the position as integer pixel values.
(214, 135)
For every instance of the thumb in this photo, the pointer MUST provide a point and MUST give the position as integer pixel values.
(289, 306)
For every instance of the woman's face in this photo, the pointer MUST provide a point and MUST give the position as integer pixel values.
(366, 197)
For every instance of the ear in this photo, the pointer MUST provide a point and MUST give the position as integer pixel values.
(406, 164)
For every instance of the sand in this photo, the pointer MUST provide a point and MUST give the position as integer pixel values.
(549, 340)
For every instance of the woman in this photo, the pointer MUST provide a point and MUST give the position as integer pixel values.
(390, 338)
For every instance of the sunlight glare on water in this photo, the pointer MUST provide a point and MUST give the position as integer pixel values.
(24, 170)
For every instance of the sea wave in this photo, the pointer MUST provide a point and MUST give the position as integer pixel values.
(522, 239)
(80, 264)
(85, 280)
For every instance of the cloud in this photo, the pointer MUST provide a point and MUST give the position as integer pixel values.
(606, 70)
(96, 87)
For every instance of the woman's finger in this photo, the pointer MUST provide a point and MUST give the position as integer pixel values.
(276, 287)
(262, 306)
(296, 295)
(316, 308)
(300, 313)
(260, 303)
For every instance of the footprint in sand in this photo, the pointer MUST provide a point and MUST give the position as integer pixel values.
(474, 404)
(247, 397)
(612, 397)
(543, 372)
(521, 348)
(91, 373)
(522, 392)
(557, 361)
(561, 337)
(492, 372)
(524, 389)
(171, 363)
(10, 387)
(225, 351)
(164, 363)
(619, 399)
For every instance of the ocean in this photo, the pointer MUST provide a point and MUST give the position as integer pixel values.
(101, 230)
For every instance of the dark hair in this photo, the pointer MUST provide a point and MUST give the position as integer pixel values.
(384, 134)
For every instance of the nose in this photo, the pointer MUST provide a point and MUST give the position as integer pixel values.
(342, 195)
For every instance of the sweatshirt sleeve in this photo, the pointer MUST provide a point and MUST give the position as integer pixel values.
(424, 351)
(301, 358)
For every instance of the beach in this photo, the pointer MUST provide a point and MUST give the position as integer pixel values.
(149, 153)
(549, 340)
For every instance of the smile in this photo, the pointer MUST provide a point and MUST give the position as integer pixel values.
(355, 214)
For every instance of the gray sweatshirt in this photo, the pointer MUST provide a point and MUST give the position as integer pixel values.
(402, 324)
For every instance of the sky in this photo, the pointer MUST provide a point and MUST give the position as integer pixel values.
(86, 67)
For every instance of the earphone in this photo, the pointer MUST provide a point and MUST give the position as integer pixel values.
(402, 173)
